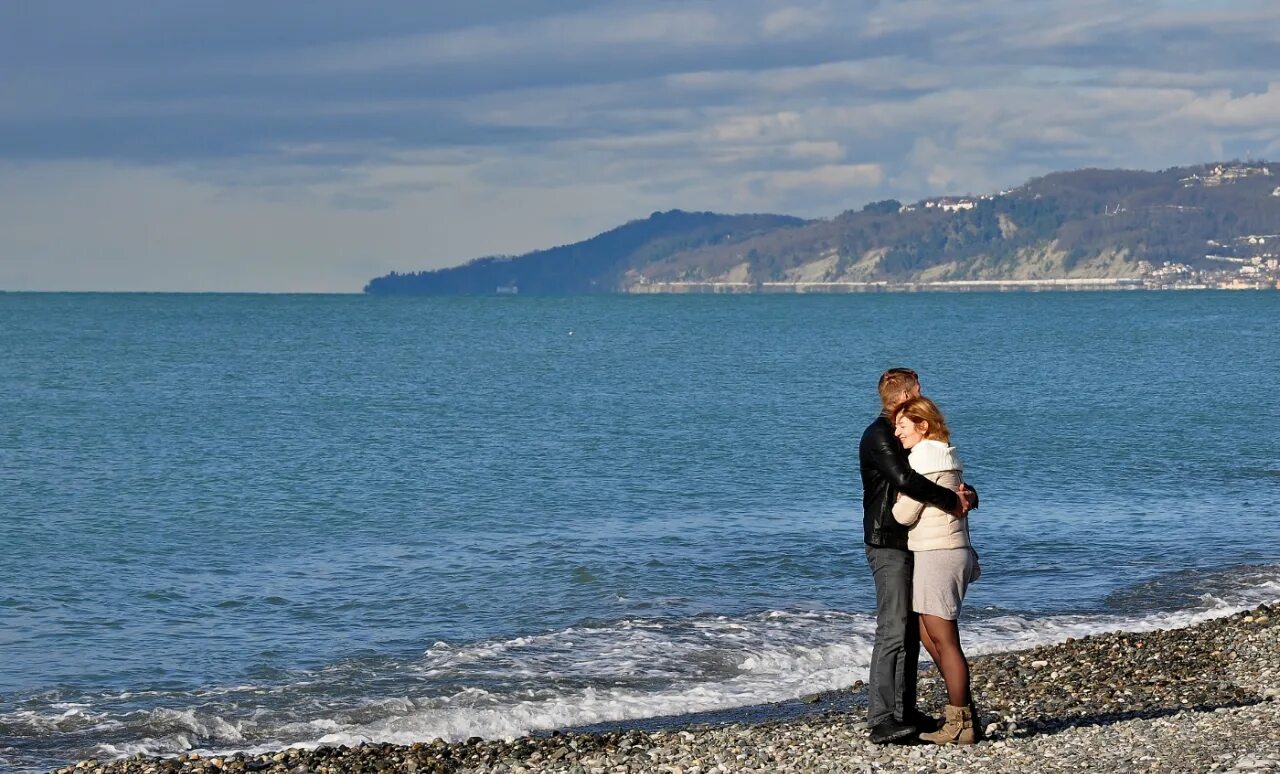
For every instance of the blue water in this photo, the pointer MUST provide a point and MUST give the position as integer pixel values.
(236, 522)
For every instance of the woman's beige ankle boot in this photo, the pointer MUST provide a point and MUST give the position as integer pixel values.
(958, 728)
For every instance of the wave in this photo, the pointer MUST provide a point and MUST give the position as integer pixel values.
(615, 672)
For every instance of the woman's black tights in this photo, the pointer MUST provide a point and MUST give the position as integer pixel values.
(941, 637)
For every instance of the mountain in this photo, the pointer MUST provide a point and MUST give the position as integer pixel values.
(596, 265)
(1090, 223)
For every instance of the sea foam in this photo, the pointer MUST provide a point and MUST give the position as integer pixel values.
(621, 671)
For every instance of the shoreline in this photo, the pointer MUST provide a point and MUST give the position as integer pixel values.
(1200, 698)
(1080, 284)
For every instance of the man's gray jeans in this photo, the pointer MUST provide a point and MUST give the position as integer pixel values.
(891, 687)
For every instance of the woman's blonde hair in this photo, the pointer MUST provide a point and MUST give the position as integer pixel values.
(924, 410)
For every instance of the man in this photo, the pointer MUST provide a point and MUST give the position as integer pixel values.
(891, 687)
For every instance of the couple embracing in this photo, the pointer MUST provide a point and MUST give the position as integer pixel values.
(916, 532)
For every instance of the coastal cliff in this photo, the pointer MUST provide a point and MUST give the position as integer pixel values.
(1212, 224)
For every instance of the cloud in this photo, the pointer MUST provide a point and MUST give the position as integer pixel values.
(825, 150)
(758, 127)
(149, 229)
(794, 21)
(301, 140)
(565, 37)
(347, 201)
(1224, 109)
(830, 176)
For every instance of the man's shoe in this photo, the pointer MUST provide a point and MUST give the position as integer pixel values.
(891, 730)
(926, 724)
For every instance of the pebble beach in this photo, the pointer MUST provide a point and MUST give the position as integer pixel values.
(1201, 698)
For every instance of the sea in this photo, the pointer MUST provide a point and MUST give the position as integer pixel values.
(248, 522)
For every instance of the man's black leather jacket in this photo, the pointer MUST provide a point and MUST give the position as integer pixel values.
(885, 472)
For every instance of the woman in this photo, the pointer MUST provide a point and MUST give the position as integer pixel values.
(945, 563)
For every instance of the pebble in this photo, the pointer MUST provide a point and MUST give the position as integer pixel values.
(1195, 699)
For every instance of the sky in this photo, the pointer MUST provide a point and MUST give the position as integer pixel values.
(308, 147)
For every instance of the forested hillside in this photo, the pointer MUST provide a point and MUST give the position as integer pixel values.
(592, 266)
(1086, 223)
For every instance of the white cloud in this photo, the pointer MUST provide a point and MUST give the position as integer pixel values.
(1223, 109)
(554, 37)
(318, 162)
(829, 176)
(868, 76)
(794, 21)
(824, 150)
(759, 127)
(155, 229)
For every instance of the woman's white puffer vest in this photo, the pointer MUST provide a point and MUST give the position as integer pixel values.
(931, 527)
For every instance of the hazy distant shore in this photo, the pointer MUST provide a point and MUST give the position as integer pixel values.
(1202, 698)
(951, 286)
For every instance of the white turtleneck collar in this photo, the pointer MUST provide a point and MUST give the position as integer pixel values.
(930, 456)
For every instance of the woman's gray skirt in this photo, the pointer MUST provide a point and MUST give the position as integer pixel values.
(941, 578)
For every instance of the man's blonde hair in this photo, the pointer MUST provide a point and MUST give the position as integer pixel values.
(893, 383)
